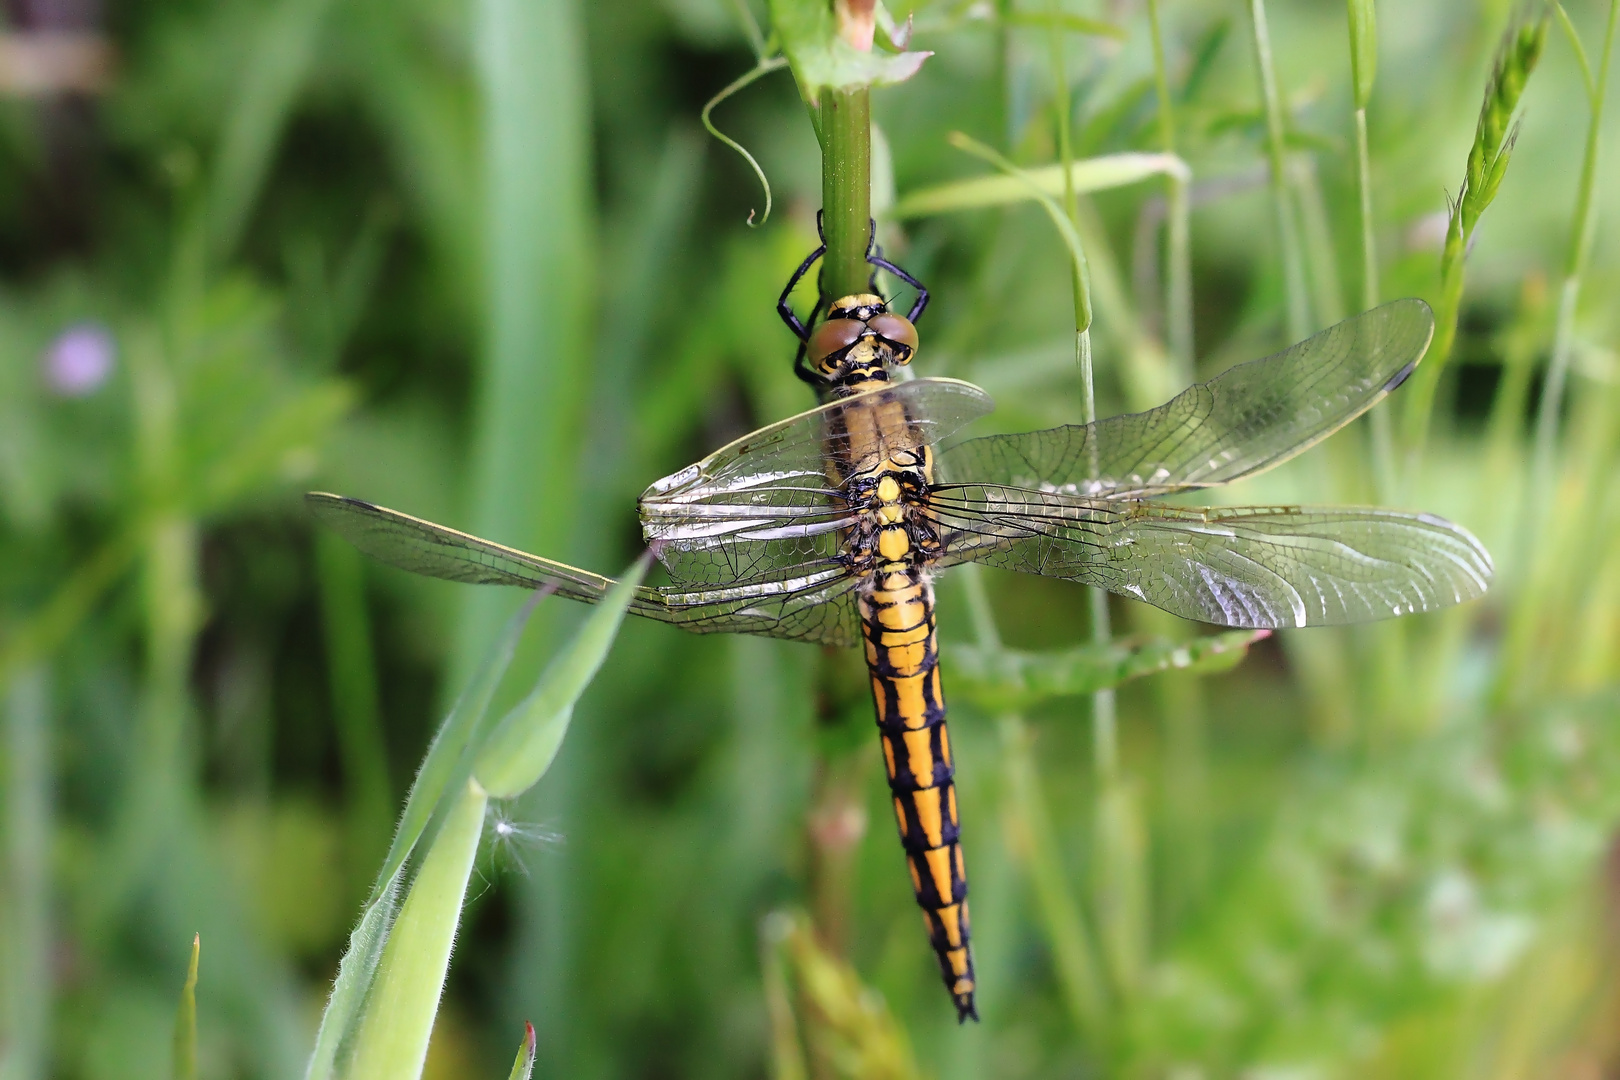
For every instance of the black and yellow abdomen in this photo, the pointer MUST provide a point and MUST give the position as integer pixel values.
(902, 652)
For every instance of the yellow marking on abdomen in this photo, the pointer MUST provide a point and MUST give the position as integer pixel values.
(920, 757)
(928, 814)
(939, 871)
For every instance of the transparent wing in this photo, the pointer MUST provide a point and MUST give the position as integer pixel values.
(1245, 420)
(811, 601)
(1249, 566)
(772, 501)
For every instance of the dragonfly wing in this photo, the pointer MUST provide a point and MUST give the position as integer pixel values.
(774, 494)
(1243, 421)
(810, 603)
(1246, 566)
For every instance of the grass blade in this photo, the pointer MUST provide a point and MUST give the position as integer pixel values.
(523, 745)
(185, 1019)
(392, 1040)
(439, 769)
(1089, 175)
(523, 1067)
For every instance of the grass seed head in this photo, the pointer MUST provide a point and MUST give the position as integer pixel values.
(1496, 132)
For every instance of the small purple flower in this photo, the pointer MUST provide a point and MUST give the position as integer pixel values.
(79, 360)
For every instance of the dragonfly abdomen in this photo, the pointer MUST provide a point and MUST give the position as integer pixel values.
(902, 653)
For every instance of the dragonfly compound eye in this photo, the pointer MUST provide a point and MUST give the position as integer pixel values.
(830, 339)
(898, 332)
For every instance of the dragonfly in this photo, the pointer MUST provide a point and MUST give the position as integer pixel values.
(830, 527)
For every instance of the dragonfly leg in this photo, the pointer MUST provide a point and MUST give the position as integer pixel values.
(784, 306)
(874, 255)
(800, 367)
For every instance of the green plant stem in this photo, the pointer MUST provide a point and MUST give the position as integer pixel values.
(1582, 227)
(837, 818)
(1379, 426)
(25, 878)
(1293, 259)
(1103, 712)
(1178, 206)
(393, 1038)
(1369, 243)
(1063, 107)
(846, 189)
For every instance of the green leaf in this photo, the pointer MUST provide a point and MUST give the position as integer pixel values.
(185, 1020)
(524, 743)
(444, 764)
(822, 58)
(524, 1065)
(1063, 20)
(1090, 174)
(392, 1041)
(1008, 680)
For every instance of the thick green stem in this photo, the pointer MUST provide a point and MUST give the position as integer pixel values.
(1293, 259)
(846, 189)
(837, 817)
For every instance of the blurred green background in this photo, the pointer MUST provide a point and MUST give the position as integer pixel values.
(476, 260)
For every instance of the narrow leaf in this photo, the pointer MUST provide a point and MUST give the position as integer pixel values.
(1090, 174)
(185, 1020)
(392, 1040)
(526, 740)
(1063, 20)
(1008, 680)
(445, 761)
(524, 1065)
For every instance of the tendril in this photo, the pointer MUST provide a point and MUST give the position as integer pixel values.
(764, 67)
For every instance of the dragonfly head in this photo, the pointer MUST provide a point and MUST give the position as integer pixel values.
(859, 340)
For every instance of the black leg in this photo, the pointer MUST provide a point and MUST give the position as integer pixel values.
(800, 367)
(784, 307)
(874, 255)
(922, 293)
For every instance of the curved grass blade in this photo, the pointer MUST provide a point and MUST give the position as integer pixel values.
(392, 1040)
(523, 745)
(438, 770)
(1089, 175)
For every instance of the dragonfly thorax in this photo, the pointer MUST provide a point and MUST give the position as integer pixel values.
(893, 531)
(859, 341)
